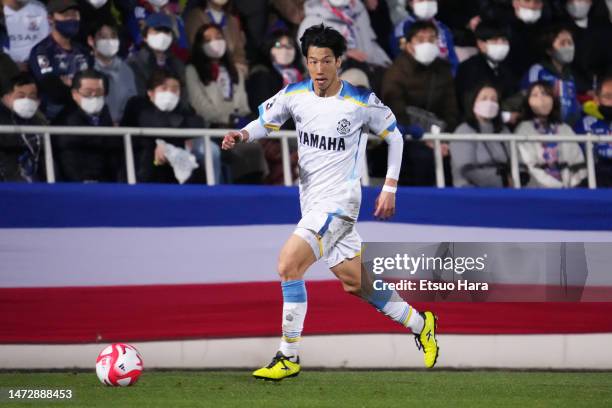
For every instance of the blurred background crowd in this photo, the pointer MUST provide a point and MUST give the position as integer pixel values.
(473, 66)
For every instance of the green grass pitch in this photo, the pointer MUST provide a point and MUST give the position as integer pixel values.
(323, 389)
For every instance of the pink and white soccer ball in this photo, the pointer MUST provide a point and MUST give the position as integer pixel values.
(119, 365)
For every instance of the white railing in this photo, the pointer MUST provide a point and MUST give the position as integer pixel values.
(207, 134)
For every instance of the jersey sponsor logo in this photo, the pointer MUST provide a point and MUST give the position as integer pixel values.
(344, 127)
(322, 142)
(23, 37)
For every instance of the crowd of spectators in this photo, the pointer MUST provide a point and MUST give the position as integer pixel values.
(531, 67)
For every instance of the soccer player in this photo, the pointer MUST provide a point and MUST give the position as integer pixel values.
(331, 117)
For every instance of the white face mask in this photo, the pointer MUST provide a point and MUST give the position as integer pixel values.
(215, 48)
(425, 10)
(159, 42)
(165, 101)
(97, 3)
(486, 109)
(92, 105)
(578, 9)
(529, 16)
(283, 56)
(339, 3)
(25, 107)
(565, 55)
(497, 52)
(158, 3)
(108, 47)
(426, 52)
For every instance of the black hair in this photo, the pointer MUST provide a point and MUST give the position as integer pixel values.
(418, 26)
(322, 36)
(550, 34)
(555, 114)
(488, 30)
(274, 38)
(89, 74)
(20, 79)
(159, 76)
(202, 62)
(601, 81)
(103, 23)
(470, 100)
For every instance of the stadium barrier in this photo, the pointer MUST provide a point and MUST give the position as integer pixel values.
(188, 274)
(207, 134)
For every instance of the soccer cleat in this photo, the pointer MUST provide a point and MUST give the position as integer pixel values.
(426, 340)
(280, 367)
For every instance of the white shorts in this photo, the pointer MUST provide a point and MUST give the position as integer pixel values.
(331, 237)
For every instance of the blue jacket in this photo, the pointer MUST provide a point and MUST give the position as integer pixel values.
(594, 126)
(136, 20)
(445, 41)
(564, 86)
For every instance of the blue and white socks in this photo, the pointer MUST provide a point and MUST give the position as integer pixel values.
(392, 305)
(294, 313)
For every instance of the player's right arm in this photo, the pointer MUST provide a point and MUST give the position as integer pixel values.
(272, 114)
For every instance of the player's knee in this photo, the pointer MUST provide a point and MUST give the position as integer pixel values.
(288, 270)
(352, 287)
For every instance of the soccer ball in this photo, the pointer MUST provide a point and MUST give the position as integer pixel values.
(119, 365)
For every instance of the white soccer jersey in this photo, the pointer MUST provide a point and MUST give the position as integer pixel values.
(331, 141)
(25, 28)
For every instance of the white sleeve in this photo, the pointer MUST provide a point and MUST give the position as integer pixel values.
(272, 114)
(394, 156)
(381, 121)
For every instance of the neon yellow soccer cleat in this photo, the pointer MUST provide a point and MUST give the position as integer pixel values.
(280, 367)
(426, 340)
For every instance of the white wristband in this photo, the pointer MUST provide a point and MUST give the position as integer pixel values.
(389, 189)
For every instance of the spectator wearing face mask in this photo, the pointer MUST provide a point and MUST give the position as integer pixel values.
(265, 80)
(550, 164)
(489, 65)
(556, 69)
(576, 16)
(351, 19)
(155, 54)
(481, 164)
(104, 40)
(526, 25)
(217, 91)
(26, 25)
(20, 154)
(425, 10)
(219, 12)
(282, 68)
(137, 19)
(57, 58)
(218, 94)
(419, 89)
(160, 108)
(600, 124)
(88, 158)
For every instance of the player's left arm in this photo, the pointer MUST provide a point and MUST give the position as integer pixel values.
(382, 122)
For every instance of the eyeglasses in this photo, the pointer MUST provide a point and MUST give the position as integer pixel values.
(278, 44)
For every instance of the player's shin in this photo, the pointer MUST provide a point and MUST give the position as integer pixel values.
(392, 305)
(294, 313)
